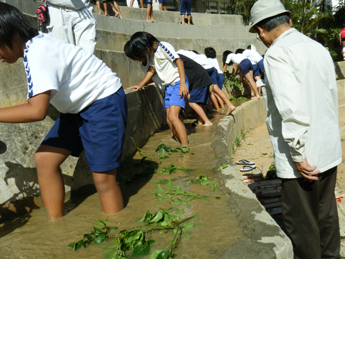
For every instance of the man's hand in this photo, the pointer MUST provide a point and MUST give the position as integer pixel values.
(307, 171)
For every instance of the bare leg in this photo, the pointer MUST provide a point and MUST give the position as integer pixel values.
(108, 190)
(48, 160)
(160, 6)
(131, 3)
(188, 17)
(182, 18)
(117, 10)
(221, 103)
(98, 7)
(200, 112)
(173, 115)
(141, 3)
(214, 100)
(165, 7)
(259, 88)
(223, 96)
(249, 77)
(105, 6)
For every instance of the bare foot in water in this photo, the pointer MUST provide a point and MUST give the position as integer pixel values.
(208, 123)
(230, 110)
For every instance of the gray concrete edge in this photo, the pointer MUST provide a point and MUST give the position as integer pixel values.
(265, 239)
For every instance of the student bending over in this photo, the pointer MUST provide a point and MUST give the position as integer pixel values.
(169, 68)
(91, 101)
(246, 67)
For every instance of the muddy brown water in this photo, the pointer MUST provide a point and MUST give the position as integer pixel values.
(32, 236)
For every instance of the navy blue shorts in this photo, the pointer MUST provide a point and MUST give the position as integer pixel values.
(246, 66)
(98, 129)
(172, 95)
(163, 1)
(186, 7)
(199, 95)
(256, 71)
(221, 80)
(261, 66)
(148, 2)
(213, 73)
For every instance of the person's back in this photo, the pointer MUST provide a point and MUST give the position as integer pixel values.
(310, 63)
(76, 77)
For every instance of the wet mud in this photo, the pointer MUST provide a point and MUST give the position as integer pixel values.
(32, 236)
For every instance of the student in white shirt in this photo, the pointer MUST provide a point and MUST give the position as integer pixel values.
(91, 101)
(246, 69)
(302, 122)
(170, 69)
(202, 60)
(212, 57)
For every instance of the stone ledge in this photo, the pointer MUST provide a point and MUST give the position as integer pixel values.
(265, 239)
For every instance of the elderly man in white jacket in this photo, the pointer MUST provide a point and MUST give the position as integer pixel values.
(302, 121)
(73, 22)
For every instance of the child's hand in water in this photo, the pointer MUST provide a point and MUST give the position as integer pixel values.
(183, 90)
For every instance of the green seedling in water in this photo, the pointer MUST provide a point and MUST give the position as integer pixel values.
(133, 242)
(204, 181)
(98, 235)
(172, 169)
(162, 149)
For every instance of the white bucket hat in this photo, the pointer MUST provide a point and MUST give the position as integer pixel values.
(264, 9)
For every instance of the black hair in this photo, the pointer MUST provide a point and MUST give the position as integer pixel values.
(140, 44)
(12, 23)
(127, 49)
(271, 23)
(194, 51)
(239, 51)
(225, 55)
(249, 47)
(210, 52)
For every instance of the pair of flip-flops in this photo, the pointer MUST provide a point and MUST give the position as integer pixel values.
(247, 166)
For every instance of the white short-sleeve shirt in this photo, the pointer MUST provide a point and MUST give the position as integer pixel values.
(163, 61)
(201, 59)
(215, 64)
(145, 68)
(252, 55)
(76, 78)
(235, 58)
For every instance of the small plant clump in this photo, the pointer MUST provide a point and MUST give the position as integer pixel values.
(134, 242)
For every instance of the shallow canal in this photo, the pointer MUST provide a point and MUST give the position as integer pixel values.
(31, 236)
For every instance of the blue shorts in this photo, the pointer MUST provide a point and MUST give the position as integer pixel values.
(213, 73)
(163, 1)
(256, 71)
(246, 66)
(186, 7)
(172, 96)
(221, 80)
(261, 66)
(148, 2)
(98, 129)
(199, 95)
